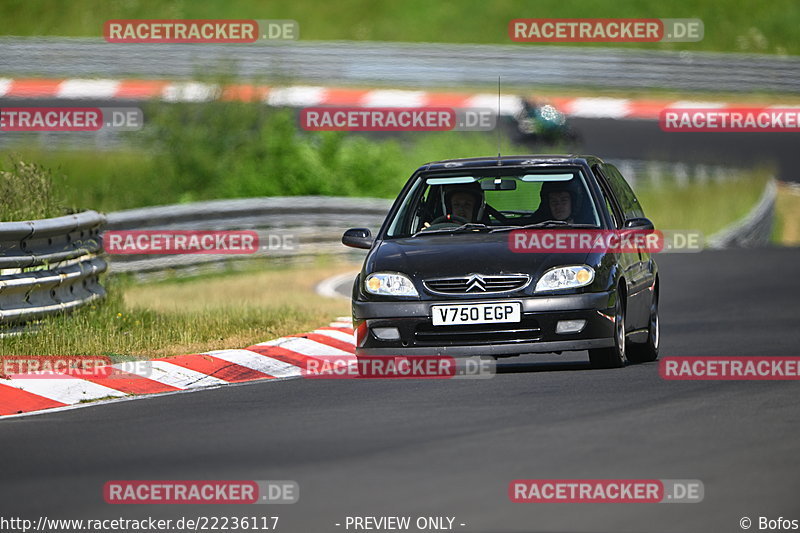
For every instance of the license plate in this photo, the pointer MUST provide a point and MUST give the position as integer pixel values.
(488, 313)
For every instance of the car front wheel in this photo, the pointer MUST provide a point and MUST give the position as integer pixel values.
(644, 353)
(613, 357)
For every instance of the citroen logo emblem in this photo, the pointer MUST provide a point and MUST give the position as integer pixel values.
(476, 283)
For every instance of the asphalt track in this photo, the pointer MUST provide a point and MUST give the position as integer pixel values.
(450, 448)
(643, 139)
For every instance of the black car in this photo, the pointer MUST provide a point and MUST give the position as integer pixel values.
(442, 278)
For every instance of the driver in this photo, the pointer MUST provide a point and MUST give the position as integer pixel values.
(465, 201)
(463, 204)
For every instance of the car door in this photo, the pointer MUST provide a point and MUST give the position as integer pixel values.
(638, 273)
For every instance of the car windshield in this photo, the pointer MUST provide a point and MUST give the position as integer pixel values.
(494, 200)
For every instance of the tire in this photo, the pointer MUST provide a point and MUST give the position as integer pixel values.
(648, 351)
(613, 357)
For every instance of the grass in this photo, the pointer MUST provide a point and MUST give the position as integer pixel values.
(27, 191)
(707, 207)
(730, 25)
(125, 180)
(787, 215)
(174, 317)
(237, 150)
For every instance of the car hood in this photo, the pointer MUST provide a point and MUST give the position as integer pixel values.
(462, 254)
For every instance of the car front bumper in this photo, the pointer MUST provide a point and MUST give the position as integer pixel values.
(536, 333)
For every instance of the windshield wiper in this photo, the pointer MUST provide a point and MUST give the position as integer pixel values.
(463, 227)
(545, 224)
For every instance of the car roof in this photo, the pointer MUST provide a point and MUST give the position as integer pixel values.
(511, 161)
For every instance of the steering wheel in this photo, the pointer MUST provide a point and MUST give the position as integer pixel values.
(455, 219)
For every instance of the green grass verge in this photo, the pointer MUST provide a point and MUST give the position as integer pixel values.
(730, 25)
(707, 207)
(28, 191)
(196, 152)
(786, 230)
(175, 317)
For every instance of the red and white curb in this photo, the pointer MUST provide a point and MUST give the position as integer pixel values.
(278, 359)
(306, 96)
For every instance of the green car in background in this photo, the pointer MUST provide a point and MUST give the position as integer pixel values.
(542, 122)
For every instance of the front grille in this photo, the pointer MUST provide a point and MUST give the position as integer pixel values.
(477, 334)
(477, 284)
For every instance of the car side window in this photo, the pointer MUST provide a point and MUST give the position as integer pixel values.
(611, 212)
(611, 207)
(623, 192)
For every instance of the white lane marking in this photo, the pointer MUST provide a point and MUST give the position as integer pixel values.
(189, 92)
(509, 105)
(305, 346)
(696, 105)
(297, 96)
(258, 362)
(64, 389)
(395, 98)
(169, 374)
(71, 391)
(349, 338)
(599, 107)
(87, 89)
(327, 287)
(5, 85)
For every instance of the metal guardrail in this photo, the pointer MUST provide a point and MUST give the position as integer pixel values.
(313, 225)
(404, 64)
(753, 230)
(316, 224)
(49, 266)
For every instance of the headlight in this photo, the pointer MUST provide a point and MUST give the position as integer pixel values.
(565, 278)
(389, 284)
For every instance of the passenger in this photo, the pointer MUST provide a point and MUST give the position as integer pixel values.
(559, 201)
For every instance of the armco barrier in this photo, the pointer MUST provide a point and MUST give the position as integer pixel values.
(753, 230)
(404, 64)
(49, 266)
(286, 226)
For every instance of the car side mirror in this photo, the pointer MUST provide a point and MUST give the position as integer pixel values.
(358, 238)
(640, 223)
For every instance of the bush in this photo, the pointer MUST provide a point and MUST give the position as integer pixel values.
(28, 192)
(246, 149)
